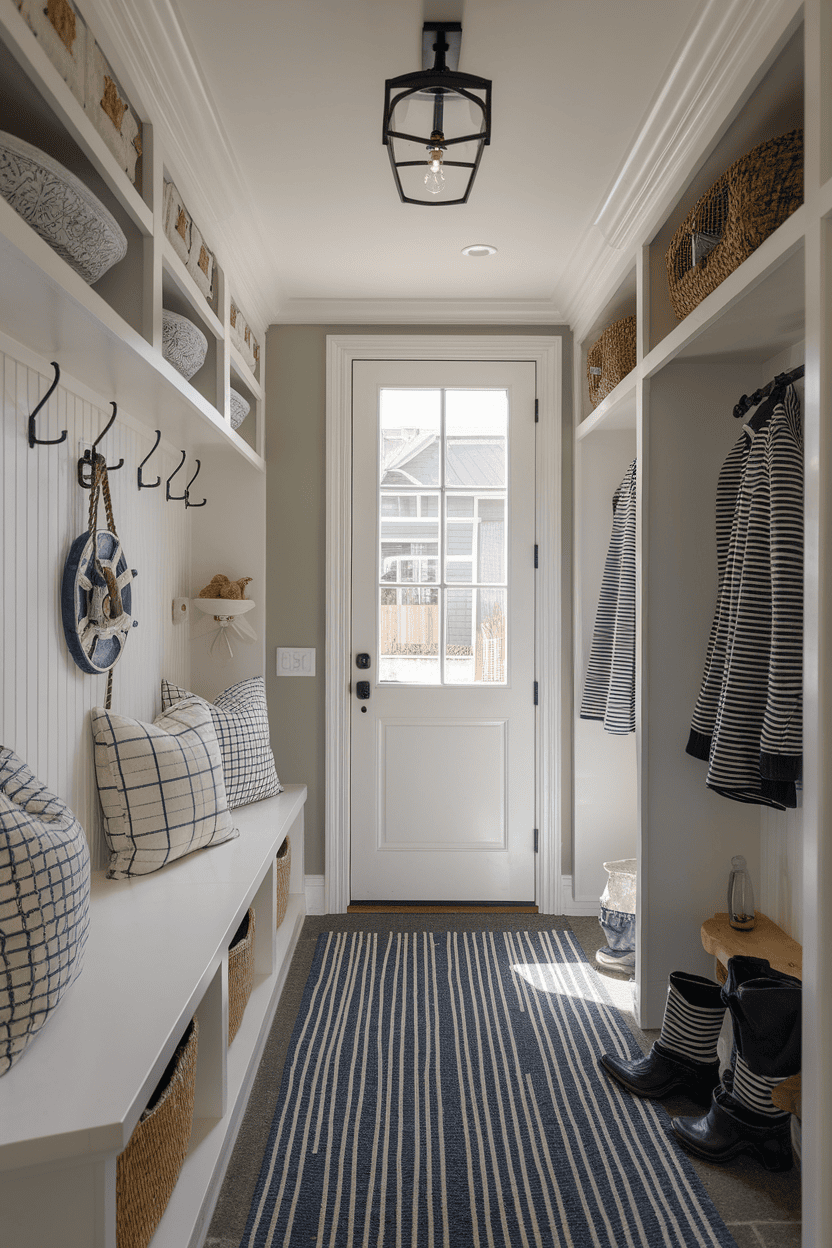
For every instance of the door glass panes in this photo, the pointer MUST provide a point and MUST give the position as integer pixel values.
(475, 633)
(410, 431)
(475, 539)
(476, 431)
(409, 531)
(442, 562)
(409, 636)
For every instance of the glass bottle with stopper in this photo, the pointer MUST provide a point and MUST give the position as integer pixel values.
(740, 896)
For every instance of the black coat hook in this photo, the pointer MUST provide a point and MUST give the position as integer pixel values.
(34, 440)
(774, 388)
(188, 502)
(92, 457)
(149, 485)
(174, 498)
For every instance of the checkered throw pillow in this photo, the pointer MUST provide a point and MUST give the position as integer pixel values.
(242, 722)
(44, 904)
(161, 787)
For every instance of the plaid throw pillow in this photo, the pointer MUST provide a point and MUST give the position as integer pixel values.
(44, 904)
(242, 722)
(161, 787)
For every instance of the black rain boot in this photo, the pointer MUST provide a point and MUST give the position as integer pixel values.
(730, 1128)
(684, 1057)
(765, 1008)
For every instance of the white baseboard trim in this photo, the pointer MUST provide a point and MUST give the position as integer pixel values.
(313, 886)
(578, 906)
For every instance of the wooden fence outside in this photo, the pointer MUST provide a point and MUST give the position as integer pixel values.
(414, 630)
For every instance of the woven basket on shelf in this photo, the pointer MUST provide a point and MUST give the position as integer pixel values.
(733, 218)
(284, 863)
(240, 973)
(147, 1170)
(611, 358)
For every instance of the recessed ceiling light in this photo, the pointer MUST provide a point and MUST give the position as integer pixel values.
(479, 249)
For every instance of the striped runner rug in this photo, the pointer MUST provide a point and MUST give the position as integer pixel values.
(441, 1090)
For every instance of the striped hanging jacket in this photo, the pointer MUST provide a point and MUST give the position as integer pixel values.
(610, 688)
(748, 721)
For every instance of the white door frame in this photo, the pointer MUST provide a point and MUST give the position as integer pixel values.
(341, 351)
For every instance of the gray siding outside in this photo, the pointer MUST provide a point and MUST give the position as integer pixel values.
(459, 617)
(410, 531)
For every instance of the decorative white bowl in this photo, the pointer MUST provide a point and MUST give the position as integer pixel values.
(240, 408)
(183, 344)
(58, 206)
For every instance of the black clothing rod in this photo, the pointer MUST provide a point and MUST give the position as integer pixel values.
(780, 382)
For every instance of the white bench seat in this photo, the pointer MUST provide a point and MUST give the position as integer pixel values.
(156, 955)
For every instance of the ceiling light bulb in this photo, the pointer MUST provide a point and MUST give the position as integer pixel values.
(435, 178)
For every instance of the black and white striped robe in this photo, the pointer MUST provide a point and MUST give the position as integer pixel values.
(610, 689)
(748, 721)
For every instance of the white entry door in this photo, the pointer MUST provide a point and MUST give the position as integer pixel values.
(443, 719)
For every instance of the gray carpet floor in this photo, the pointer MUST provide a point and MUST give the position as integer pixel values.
(762, 1210)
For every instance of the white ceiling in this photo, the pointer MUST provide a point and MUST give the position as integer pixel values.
(298, 88)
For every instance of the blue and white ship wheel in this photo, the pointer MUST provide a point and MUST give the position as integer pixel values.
(96, 624)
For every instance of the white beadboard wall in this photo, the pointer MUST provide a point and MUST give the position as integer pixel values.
(46, 699)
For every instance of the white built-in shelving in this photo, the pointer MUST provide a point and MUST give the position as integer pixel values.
(642, 796)
(616, 411)
(109, 335)
(157, 950)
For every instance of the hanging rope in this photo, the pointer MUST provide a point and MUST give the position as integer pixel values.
(112, 605)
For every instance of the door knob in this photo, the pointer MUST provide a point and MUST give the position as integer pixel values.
(362, 660)
(362, 690)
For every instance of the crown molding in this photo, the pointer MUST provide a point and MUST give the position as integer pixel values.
(419, 312)
(700, 87)
(151, 53)
(594, 273)
(725, 44)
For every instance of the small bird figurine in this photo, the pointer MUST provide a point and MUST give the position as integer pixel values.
(221, 587)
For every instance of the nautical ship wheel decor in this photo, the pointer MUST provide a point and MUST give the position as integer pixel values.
(96, 601)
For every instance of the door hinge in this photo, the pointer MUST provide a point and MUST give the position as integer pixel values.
(536, 411)
(535, 840)
(535, 693)
(535, 554)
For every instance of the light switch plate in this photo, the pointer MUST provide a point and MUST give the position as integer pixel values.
(181, 610)
(292, 661)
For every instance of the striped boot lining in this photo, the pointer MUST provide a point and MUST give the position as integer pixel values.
(692, 1031)
(754, 1091)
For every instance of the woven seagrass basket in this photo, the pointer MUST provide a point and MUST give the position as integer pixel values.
(240, 973)
(733, 218)
(284, 863)
(611, 358)
(147, 1170)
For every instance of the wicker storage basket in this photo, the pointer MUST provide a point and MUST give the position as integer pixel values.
(284, 863)
(147, 1170)
(240, 973)
(611, 358)
(741, 209)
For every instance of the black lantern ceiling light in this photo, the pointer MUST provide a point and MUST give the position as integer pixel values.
(437, 122)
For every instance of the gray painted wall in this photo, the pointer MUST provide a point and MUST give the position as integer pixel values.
(296, 545)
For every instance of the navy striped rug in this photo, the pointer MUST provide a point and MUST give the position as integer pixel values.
(442, 1090)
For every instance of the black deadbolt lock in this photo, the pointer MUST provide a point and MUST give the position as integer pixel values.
(362, 689)
(362, 660)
